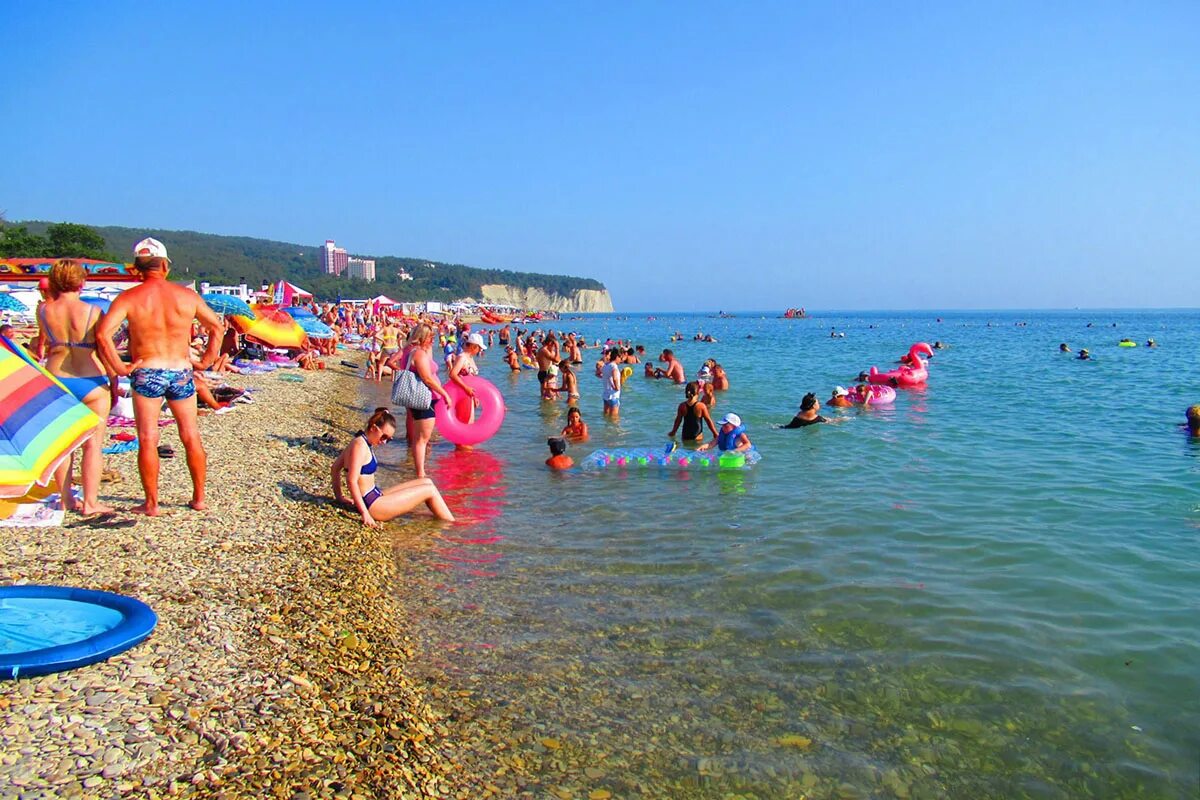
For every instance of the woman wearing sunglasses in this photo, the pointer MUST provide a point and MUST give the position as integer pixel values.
(357, 462)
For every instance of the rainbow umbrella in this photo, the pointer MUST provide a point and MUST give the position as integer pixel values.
(40, 422)
(271, 326)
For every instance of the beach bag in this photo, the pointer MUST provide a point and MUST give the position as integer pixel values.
(410, 391)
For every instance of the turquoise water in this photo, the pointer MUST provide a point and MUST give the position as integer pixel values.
(34, 623)
(988, 589)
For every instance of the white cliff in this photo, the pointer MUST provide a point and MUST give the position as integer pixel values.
(580, 301)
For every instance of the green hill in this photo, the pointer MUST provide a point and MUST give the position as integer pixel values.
(234, 259)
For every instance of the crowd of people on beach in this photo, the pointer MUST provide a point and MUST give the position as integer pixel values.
(160, 343)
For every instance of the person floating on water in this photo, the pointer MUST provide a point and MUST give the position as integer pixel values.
(809, 406)
(1084, 355)
(1151, 343)
(357, 462)
(731, 437)
(558, 454)
(1062, 348)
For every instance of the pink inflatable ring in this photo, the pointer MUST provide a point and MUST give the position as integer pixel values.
(453, 426)
(881, 395)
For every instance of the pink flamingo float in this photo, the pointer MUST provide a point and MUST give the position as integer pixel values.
(910, 375)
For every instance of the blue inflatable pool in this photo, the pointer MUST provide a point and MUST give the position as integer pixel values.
(46, 629)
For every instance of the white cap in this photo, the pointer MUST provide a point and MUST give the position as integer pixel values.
(476, 339)
(840, 391)
(150, 247)
(732, 419)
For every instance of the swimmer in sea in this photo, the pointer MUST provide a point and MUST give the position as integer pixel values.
(1193, 420)
(840, 398)
(558, 454)
(1084, 355)
(576, 428)
(1062, 348)
(570, 381)
(1151, 343)
(510, 358)
(809, 406)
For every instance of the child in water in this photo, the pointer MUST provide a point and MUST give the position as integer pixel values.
(1193, 420)
(576, 428)
(558, 454)
(731, 435)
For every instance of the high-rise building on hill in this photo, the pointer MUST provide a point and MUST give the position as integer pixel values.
(334, 258)
(362, 268)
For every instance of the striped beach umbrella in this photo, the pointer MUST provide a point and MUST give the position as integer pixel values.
(40, 422)
(312, 326)
(271, 326)
(10, 303)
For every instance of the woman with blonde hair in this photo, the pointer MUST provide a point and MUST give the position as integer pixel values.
(417, 357)
(67, 330)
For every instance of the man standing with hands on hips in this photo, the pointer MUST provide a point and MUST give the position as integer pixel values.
(160, 316)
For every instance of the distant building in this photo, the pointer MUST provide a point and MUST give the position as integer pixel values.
(241, 291)
(333, 258)
(403, 275)
(361, 268)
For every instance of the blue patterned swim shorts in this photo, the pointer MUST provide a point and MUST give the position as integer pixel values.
(173, 384)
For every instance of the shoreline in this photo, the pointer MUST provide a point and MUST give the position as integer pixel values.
(279, 662)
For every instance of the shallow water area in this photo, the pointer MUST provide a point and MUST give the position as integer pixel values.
(987, 589)
(34, 623)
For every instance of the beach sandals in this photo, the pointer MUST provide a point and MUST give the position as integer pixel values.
(165, 451)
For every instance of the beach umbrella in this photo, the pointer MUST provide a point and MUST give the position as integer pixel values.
(10, 303)
(314, 327)
(228, 304)
(271, 326)
(40, 422)
(102, 303)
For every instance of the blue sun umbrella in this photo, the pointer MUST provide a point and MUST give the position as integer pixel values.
(313, 327)
(10, 303)
(102, 303)
(228, 305)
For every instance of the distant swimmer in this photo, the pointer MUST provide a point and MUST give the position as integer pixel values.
(1151, 343)
(558, 454)
(1084, 355)
(1062, 348)
(1193, 420)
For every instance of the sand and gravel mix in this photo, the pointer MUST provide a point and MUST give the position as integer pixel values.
(278, 668)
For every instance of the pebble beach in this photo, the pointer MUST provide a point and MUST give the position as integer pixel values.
(278, 667)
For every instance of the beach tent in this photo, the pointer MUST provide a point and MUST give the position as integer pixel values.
(384, 300)
(284, 294)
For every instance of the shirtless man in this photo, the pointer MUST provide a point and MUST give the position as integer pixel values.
(674, 370)
(160, 316)
(547, 357)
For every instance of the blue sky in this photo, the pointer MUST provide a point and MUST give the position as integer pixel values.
(690, 155)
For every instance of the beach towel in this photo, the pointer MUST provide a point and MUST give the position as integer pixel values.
(130, 422)
(39, 508)
(120, 447)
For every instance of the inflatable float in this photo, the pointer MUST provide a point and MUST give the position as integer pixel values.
(679, 459)
(912, 374)
(455, 427)
(1126, 343)
(46, 629)
(881, 395)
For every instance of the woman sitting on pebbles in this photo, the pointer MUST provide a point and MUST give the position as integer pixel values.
(358, 464)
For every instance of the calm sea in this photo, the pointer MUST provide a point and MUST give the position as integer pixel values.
(988, 589)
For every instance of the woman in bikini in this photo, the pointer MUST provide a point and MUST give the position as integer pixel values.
(67, 328)
(357, 462)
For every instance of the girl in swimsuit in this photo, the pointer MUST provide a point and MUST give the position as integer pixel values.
(357, 462)
(67, 328)
(693, 415)
(576, 428)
